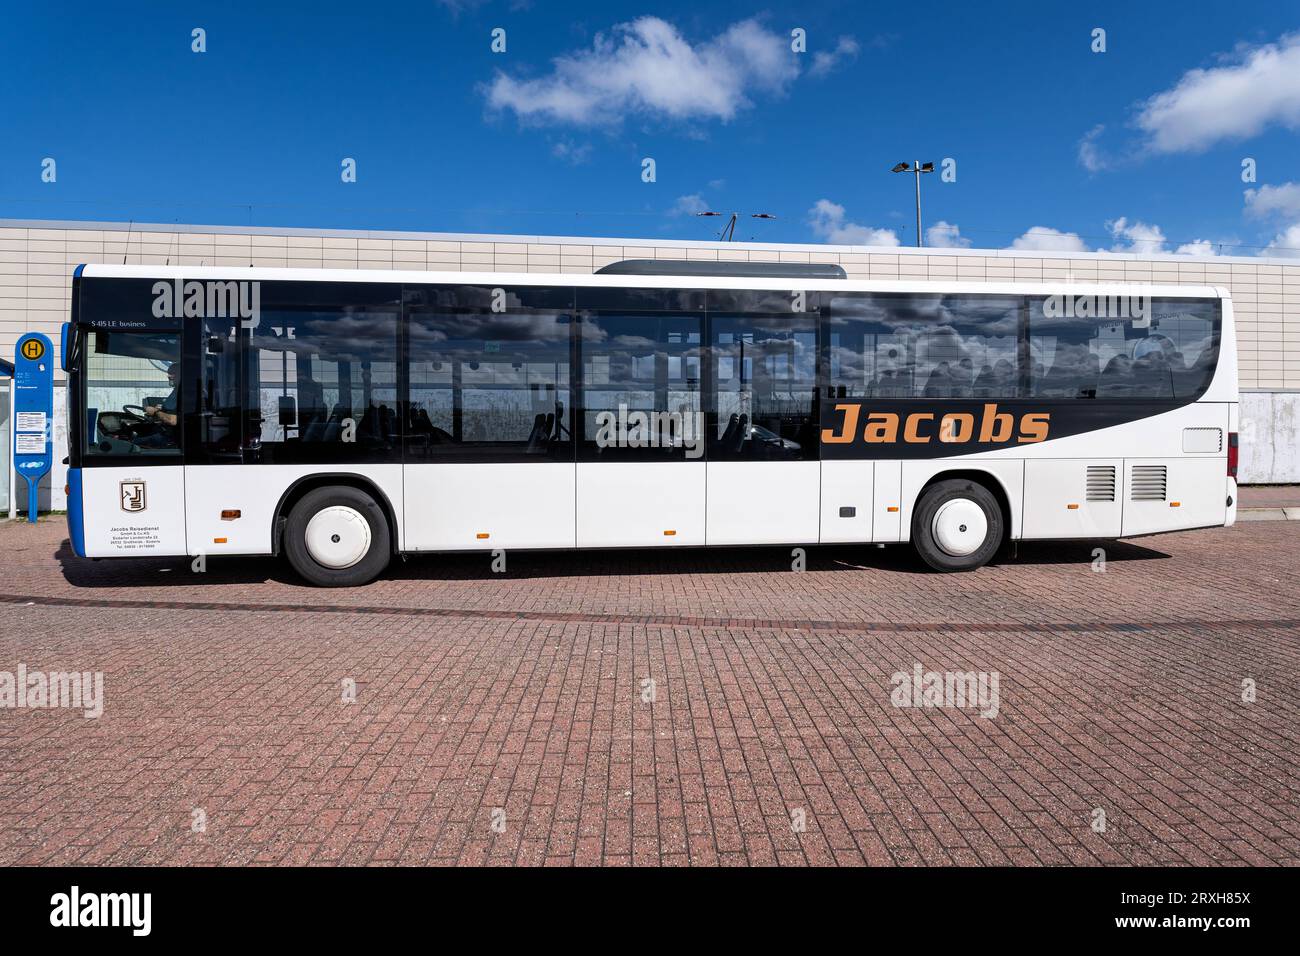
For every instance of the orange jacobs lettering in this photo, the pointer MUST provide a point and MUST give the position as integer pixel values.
(919, 428)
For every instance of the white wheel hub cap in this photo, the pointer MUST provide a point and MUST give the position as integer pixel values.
(959, 527)
(338, 537)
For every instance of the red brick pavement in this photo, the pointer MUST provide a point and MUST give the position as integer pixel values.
(1269, 496)
(502, 719)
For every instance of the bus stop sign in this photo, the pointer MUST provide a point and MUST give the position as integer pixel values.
(33, 413)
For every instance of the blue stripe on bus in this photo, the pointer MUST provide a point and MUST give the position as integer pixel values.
(76, 273)
(76, 519)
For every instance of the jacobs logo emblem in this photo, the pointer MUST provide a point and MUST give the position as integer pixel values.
(919, 428)
(133, 496)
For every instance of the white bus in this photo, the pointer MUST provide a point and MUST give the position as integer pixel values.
(343, 417)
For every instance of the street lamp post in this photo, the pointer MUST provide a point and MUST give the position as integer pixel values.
(917, 168)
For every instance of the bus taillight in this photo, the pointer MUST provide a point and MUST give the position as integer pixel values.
(1232, 454)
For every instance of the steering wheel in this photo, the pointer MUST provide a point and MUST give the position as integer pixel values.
(141, 414)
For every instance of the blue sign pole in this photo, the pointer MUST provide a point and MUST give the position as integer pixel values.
(33, 413)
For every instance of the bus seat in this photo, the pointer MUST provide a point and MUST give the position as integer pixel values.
(1073, 374)
(730, 432)
(538, 434)
(940, 383)
(334, 427)
(314, 432)
(892, 384)
(739, 436)
(984, 382)
(963, 378)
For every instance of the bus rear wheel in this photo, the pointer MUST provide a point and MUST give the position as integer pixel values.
(957, 525)
(337, 537)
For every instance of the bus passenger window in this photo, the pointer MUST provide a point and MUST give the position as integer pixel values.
(1122, 347)
(884, 345)
(488, 385)
(322, 385)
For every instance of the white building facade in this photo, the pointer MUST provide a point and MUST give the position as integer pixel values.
(37, 259)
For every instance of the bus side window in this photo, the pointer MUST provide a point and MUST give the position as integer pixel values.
(923, 346)
(322, 384)
(1158, 350)
(489, 374)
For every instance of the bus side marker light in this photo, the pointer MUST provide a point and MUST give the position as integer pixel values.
(218, 540)
(1071, 507)
(482, 536)
(892, 508)
(1175, 504)
(669, 534)
(230, 514)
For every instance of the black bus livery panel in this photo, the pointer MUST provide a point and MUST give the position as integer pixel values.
(373, 372)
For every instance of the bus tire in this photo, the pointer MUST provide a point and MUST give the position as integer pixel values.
(957, 525)
(337, 537)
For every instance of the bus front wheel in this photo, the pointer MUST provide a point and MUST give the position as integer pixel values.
(337, 537)
(957, 525)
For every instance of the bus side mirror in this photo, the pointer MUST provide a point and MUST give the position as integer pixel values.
(288, 411)
(65, 339)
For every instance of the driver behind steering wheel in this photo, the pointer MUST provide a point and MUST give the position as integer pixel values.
(164, 414)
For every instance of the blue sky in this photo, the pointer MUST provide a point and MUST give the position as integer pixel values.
(1140, 146)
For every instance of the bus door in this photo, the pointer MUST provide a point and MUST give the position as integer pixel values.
(641, 432)
(764, 475)
(489, 419)
(126, 422)
(216, 438)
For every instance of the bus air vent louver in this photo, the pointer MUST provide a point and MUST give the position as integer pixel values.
(1101, 482)
(1148, 483)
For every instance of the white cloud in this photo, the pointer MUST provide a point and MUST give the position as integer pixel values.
(1283, 203)
(1047, 239)
(945, 235)
(1134, 237)
(846, 48)
(689, 205)
(647, 66)
(1140, 237)
(1268, 201)
(1258, 88)
(827, 221)
(1286, 243)
(570, 152)
(1197, 247)
(1090, 157)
